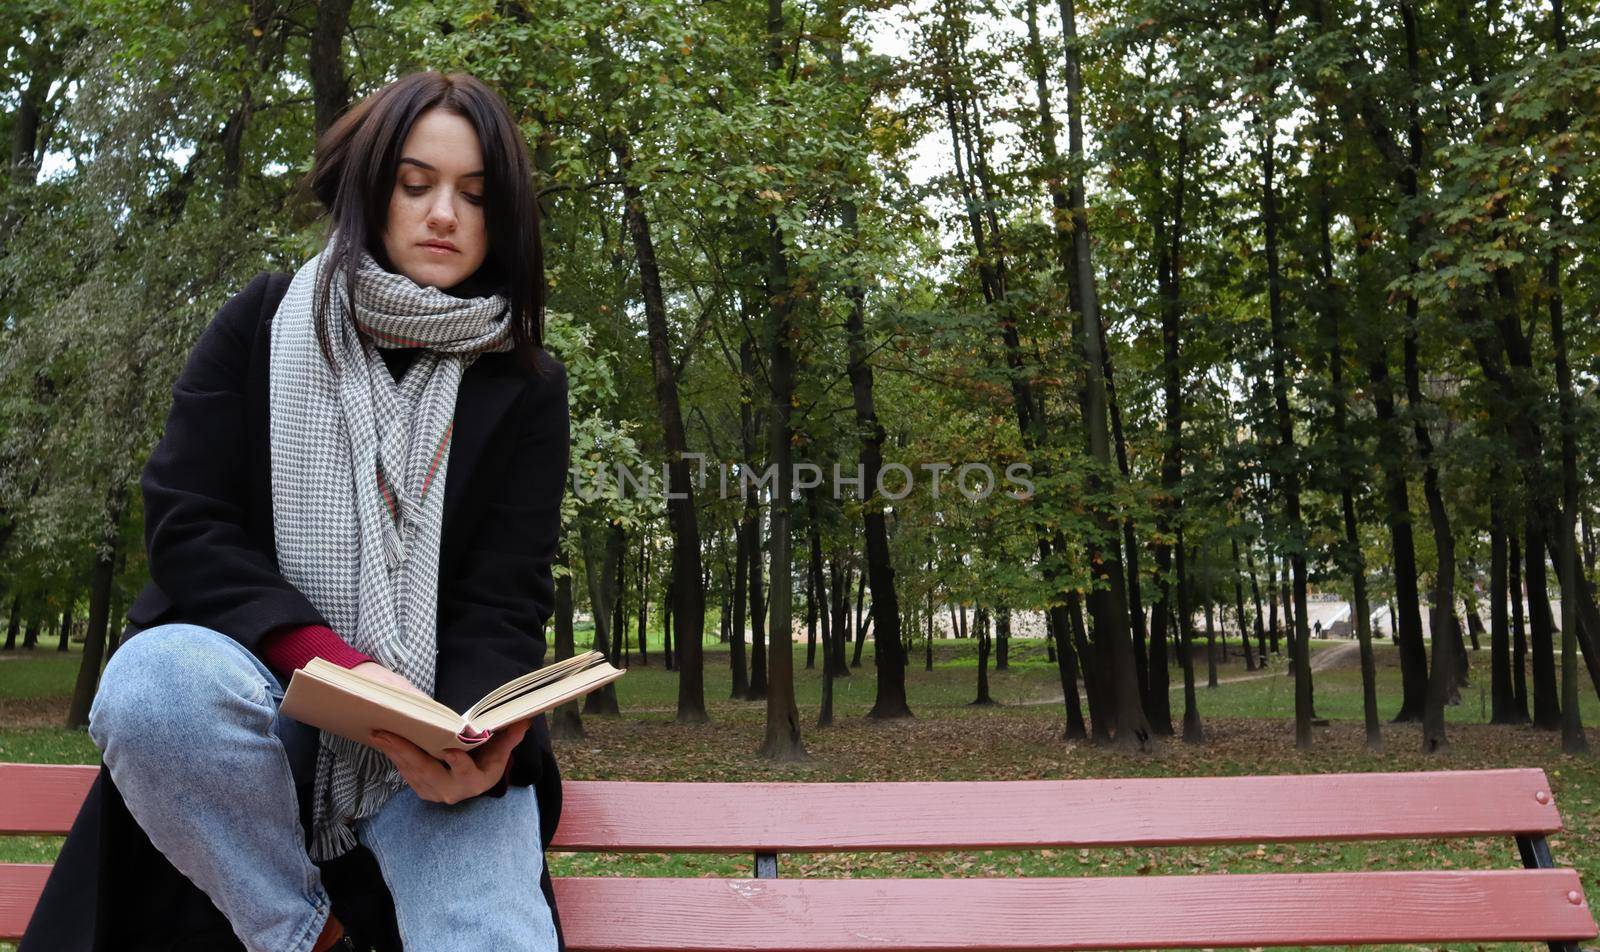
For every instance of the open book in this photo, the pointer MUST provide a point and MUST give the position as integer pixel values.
(351, 705)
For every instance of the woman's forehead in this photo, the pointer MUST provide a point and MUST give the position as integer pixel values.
(443, 143)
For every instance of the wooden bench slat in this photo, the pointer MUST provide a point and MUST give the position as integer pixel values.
(774, 915)
(1016, 814)
(20, 887)
(40, 799)
(1029, 814)
(900, 915)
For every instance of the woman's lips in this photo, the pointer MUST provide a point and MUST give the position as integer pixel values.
(439, 249)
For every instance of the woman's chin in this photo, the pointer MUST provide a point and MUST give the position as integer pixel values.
(435, 274)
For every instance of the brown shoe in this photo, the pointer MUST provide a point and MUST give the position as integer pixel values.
(332, 936)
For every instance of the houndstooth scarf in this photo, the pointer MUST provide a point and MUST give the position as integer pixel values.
(358, 471)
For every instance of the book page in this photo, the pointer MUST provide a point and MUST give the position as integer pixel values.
(387, 694)
(542, 699)
(534, 679)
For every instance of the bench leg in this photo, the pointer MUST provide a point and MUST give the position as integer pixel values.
(766, 865)
(1535, 852)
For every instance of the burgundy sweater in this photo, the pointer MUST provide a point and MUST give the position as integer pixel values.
(290, 648)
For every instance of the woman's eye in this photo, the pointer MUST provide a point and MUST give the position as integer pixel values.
(419, 189)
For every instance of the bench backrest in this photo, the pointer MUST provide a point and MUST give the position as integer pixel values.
(765, 820)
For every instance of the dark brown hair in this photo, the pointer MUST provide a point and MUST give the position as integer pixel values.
(354, 173)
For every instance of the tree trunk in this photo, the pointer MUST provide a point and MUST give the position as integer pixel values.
(14, 625)
(1442, 679)
(1362, 611)
(861, 621)
(1193, 732)
(1284, 584)
(1459, 645)
(1238, 609)
(747, 535)
(643, 575)
(1158, 690)
(888, 647)
(1109, 599)
(1519, 638)
(668, 646)
(1572, 738)
(1099, 727)
(1475, 629)
(1068, 231)
(1272, 601)
(1588, 542)
(981, 626)
(783, 719)
(820, 601)
(620, 647)
(688, 608)
(599, 568)
(1211, 633)
(838, 594)
(115, 622)
(1546, 708)
(758, 618)
(42, 69)
(1408, 630)
(736, 621)
(101, 577)
(1288, 458)
(1169, 284)
(565, 722)
(1056, 629)
(815, 590)
(1002, 639)
(1255, 595)
(329, 87)
(1503, 702)
(1349, 555)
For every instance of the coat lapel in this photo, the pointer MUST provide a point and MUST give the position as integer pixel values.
(488, 390)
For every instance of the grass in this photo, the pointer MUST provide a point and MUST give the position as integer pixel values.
(1248, 722)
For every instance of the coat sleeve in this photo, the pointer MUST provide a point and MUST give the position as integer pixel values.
(200, 552)
(501, 590)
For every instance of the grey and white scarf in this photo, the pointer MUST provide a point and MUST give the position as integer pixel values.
(358, 474)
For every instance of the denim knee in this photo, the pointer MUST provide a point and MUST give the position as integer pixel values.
(168, 683)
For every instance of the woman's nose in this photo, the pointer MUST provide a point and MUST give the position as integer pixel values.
(442, 212)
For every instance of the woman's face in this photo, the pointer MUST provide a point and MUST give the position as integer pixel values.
(436, 234)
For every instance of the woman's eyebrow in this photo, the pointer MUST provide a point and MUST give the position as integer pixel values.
(422, 164)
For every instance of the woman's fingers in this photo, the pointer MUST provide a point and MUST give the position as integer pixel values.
(492, 756)
(419, 769)
(460, 762)
(459, 776)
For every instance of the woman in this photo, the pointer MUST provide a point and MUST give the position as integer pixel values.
(364, 462)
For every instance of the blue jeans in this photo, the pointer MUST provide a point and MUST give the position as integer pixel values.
(187, 721)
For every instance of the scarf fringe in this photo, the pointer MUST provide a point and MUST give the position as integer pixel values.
(394, 547)
(332, 842)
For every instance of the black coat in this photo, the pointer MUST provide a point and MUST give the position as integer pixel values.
(209, 534)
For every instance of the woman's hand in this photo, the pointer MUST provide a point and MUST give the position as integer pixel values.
(460, 775)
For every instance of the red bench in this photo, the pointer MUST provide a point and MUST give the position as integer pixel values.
(1537, 902)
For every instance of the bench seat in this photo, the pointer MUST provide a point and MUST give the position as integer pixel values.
(766, 913)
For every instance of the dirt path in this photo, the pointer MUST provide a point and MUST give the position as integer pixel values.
(1346, 655)
(1340, 656)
